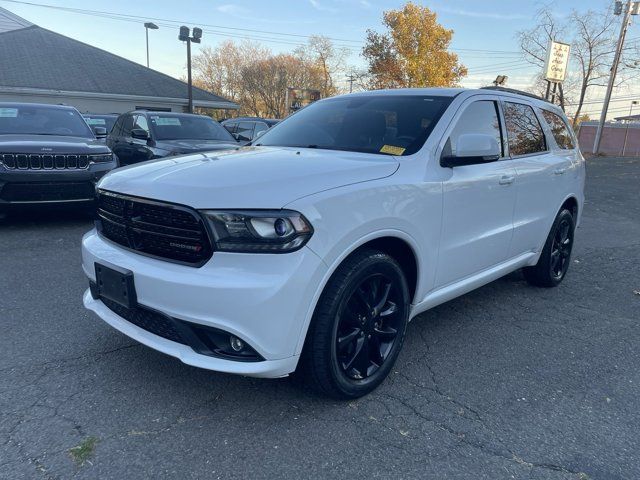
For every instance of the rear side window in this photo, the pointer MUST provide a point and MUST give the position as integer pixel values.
(523, 130)
(559, 129)
(479, 117)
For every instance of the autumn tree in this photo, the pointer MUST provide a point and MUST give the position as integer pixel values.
(413, 52)
(593, 37)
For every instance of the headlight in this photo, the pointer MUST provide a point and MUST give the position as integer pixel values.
(258, 231)
(104, 158)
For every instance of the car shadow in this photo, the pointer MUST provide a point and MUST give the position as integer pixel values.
(47, 217)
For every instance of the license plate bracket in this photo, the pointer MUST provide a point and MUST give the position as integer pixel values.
(116, 284)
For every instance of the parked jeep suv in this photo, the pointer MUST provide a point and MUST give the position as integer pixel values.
(141, 135)
(48, 154)
(313, 249)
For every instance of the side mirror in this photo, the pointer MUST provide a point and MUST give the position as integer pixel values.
(99, 132)
(140, 134)
(259, 134)
(471, 149)
(236, 136)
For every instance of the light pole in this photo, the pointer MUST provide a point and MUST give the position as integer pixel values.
(148, 26)
(626, 132)
(184, 37)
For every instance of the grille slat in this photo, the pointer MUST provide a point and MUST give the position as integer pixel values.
(172, 232)
(147, 320)
(23, 161)
(35, 162)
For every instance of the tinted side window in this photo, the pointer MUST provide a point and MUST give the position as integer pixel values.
(260, 127)
(479, 117)
(117, 128)
(127, 125)
(559, 129)
(141, 122)
(245, 131)
(231, 127)
(523, 129)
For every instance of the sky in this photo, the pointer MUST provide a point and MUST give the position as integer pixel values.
(484, 31)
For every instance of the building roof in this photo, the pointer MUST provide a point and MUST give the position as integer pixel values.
(629, 118)
(10, 21)
(39, 59)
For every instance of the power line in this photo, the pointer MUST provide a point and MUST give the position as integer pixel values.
(252, 32)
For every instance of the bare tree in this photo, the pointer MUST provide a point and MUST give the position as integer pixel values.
(252, 76)
(592, 36)
(328, 61)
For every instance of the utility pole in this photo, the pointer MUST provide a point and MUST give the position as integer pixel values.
(351, 78)
(184, 37)
(626, 20)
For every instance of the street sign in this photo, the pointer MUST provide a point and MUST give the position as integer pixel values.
(300, 97)
(555, 68)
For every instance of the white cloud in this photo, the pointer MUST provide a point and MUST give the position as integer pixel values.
(321, 7)
(365, 3)
(469, 13)
(233, 10)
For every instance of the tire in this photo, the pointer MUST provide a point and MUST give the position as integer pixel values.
(555, 258)
(358, 327)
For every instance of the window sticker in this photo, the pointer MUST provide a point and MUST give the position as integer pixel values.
(95, 121)
(391, 149)
(9, 112)
(165, 121)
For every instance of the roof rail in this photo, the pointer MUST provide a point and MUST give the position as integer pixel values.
(517, 92)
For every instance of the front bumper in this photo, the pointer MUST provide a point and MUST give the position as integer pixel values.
(264, 299)
(38, 187)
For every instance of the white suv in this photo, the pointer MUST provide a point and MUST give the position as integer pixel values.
(312, 249)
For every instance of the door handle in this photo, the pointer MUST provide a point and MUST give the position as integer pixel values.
(559, 171)
(507, 179)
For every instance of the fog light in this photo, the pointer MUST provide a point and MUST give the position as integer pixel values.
(236, 343)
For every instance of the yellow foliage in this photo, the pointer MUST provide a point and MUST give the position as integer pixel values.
(414, 51)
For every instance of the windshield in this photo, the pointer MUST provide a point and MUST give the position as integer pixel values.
(384, 124)
(42, 120)
(173, 127)
(101, 121)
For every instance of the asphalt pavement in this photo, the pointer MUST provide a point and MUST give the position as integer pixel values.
(509, 381)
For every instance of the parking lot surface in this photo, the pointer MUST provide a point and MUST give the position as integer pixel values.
(509, 381)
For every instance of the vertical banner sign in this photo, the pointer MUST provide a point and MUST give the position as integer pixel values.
(555, 68)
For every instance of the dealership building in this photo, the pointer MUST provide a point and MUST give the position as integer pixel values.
(41, 66)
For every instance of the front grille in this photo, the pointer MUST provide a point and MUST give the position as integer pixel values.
(171, 232)
(146, 319)
(47, 191)
(23, 161)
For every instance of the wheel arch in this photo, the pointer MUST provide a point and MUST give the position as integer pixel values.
(397, 244)
(571, 204)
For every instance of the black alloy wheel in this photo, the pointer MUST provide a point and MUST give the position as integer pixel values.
(368, 326)
(561, 249)
(555, 258)
(358, 327)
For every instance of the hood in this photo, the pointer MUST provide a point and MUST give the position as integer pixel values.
(53, 144)
(251, 177)
(188, 146)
